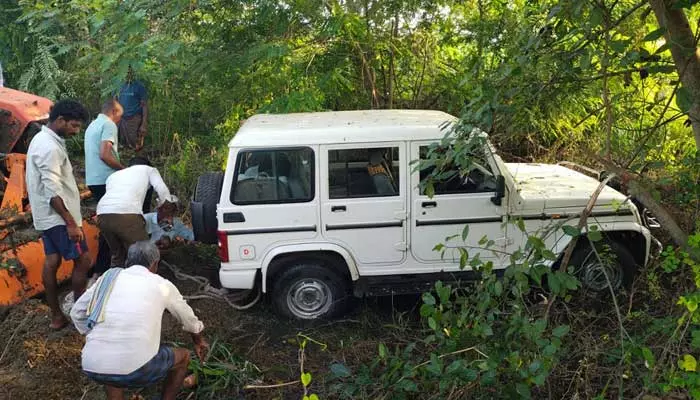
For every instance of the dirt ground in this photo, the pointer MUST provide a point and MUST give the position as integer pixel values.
(38, 364)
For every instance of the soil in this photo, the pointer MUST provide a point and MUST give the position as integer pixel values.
(36, 363)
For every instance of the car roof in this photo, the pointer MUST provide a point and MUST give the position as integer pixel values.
(333, 127)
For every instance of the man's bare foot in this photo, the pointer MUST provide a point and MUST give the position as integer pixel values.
(58, 323)
(189, 382)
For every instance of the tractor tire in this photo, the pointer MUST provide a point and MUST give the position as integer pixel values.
(206, 197)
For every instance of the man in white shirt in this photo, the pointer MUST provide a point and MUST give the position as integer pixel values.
(119, 212)
(122, 321)
(55, 202)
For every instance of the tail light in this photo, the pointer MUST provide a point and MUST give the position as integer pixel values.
(223, 245)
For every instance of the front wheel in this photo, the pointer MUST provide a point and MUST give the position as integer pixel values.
(610, 265)
(310, 290)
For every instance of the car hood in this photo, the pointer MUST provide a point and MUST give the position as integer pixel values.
(550, 187)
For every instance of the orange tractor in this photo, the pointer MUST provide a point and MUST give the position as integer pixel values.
(21, 249)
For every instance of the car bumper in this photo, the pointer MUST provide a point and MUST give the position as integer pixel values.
(238, 279)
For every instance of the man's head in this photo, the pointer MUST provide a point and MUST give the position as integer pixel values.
(67, 117)
(113, 110)
(139, 161)
(145, 254)
(167, 210)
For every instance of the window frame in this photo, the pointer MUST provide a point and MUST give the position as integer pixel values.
(394, 147)
(236, 172)
(489, 163)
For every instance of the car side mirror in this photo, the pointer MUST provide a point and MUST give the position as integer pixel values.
(500, 190)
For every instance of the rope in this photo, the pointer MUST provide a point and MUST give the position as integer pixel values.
(206, 291)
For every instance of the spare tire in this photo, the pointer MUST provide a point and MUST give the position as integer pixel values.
(206, 197)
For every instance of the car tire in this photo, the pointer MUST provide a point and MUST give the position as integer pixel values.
(206, 197)
(310, 289)
(611, 257)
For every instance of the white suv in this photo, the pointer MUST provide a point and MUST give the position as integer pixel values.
(315, 207)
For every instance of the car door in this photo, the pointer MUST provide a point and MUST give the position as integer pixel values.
(456, 203)
(273, 199)
(364, 200)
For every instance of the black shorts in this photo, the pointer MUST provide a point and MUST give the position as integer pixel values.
(56, 241)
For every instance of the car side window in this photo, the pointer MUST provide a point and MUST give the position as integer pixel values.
(274, 176)
(365, 172)
(477, 178)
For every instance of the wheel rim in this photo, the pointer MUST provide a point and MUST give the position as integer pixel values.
(593, 273)
(309, 298)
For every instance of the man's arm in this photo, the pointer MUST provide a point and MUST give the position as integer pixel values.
(107, 155)
(179, 308)
(49, 167)
(74, 232)
(79, 311)
(159, 186)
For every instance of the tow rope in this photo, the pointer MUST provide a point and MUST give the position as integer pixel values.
(206, 291)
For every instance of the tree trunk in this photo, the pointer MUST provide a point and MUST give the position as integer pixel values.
(685, 55)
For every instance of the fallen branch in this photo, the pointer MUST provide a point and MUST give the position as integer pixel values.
(451, 354)
(642, 194)
(254, 387)
(582, 222)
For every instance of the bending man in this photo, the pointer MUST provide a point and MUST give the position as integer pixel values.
(121, 315)
(119, 212)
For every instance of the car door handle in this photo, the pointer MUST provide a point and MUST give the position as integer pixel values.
(429, 204)
(233, 217)
(338, 209)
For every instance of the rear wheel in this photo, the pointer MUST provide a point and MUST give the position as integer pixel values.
(309, 289)
(206, 197)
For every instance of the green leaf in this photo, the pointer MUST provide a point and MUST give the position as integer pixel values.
(648, 357)
(572, 231)
(654, 35)
(664, 47)
(408, 386)
(431, 323)
(305, 379)
(313, 396)
(661, 69)
(523, 390)
(454, 367)
(596, 17)
(549, 255)
(595, 236)
(470, 374)
(521, 225)
(684, 99)
(560, 331)
(688, 363)
(619, 46)
(585, 61)
(426, 309)
(383, 351)
(465, 232)
(428, 299)
(497, 288)
(340, 370)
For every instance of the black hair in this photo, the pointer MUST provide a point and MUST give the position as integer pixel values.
(70, 110)
(139, 161)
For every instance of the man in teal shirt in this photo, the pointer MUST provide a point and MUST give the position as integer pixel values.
(101, 160)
